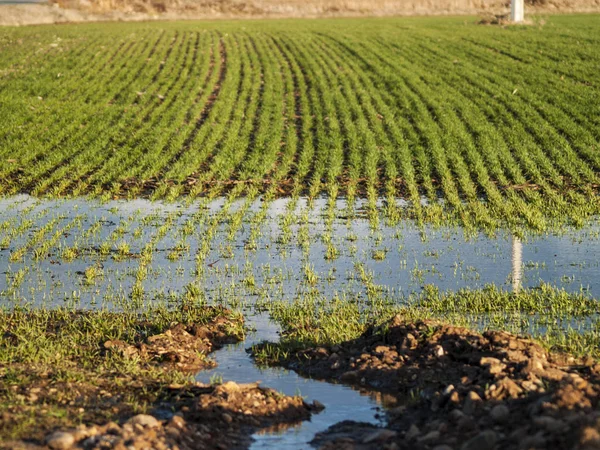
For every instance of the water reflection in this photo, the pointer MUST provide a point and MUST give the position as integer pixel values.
(517, 266)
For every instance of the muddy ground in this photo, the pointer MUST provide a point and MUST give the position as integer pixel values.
(449, 387)
(458, 389)
(222, 416)
(72, 406)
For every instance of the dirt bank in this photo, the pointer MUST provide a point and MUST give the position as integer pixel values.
(193, 417)
(64, 11)
(458, 389)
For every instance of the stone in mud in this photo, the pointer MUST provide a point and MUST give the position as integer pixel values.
(430, 437)
(548, 423)
(500, 413)
(472, 401)
(483, 441)
(350, 377)
(60, 440)
(379, 436)
(412, 433)
(145, 420)
(317, 406)
(230, 386)
(438, 351)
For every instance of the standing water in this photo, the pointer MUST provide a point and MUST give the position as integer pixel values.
(341, 402)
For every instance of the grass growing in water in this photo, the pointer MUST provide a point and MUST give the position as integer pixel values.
(561, 321)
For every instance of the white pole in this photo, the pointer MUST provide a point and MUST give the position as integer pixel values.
(517, 10)
(517, 258)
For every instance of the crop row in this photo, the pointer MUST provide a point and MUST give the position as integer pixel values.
(433, 119)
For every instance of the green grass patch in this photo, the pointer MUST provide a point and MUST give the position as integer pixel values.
(55, 370)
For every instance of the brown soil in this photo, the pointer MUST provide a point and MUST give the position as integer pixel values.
(53, 407)
(182, 347)
(205, 417)
(456, 388)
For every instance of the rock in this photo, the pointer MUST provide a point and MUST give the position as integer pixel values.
(113, 428)
(483, 441)
(379, 436)
(321, 352)
(590, 437)
(60, 440)
(536, 441)
(454, 398)
(500, 413)
(350, 377)
(177, 421)
(456, 415)
(494, 365)
(448, 390)
(230, 386)
(506, 388)
(381, 349)
(227, 418)
(430, 437)
(438, 351)
(397, 411)
(317, 405)
(472, 401)
(412, 433)
(548, 423)
(145, 420)
(466, 423)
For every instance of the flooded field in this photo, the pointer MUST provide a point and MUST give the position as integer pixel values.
(132, 255)
(119, 254)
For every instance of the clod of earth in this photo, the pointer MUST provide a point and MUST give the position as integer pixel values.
(482, 390)
(207, 417)
(181, 347)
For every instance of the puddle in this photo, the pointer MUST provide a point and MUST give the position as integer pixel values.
(341, 402)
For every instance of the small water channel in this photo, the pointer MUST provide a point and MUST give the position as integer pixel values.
(341, 402)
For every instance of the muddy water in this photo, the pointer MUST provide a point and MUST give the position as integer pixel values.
(399, 259)
(341, 402)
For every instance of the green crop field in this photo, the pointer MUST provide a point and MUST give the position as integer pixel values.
(432, 119)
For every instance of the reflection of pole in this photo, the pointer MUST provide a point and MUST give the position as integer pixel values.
(517, 10)
(517, 256)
